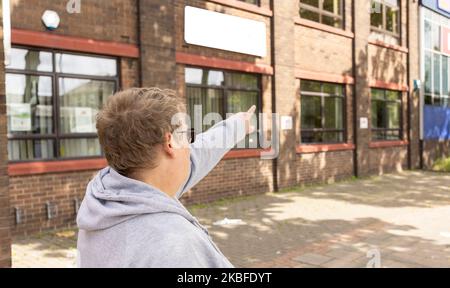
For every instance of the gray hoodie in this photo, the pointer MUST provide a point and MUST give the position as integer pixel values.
(127, 223)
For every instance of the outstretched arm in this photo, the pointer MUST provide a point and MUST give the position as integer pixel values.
(210, 147)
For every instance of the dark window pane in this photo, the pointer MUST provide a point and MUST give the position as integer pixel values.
(255, 2)
(310, 86)
(332, 89)
(29, 104)
(309, 137)
(333, 137)
(309, 15)
(204, 101)
(314, 3)
(27, 150)
(311, 112)
(377, 94)
(392, 19)
(378, 114)
(24, 59)
(85, 65)
(376, 15)
(393, 110)
(393, 95)
(238, 101)
(332, 21)
(241, 81)
(333, 6)
(333, 113)
(80, 101)
(71, 148)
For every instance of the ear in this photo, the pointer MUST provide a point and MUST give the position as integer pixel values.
(168, 145)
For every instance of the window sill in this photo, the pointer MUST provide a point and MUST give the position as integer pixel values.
(308, 149)
(388, 85)
(244, 153)
(323, 27)
(387, 144)
(34, 168)
(389, 46)
(245, 6)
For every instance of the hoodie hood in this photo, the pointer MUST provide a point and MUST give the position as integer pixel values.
(112, 199)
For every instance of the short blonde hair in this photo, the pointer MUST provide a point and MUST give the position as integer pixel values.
(133, 122)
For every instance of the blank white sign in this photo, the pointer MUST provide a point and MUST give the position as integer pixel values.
(225, 32)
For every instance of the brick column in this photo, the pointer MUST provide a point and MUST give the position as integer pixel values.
(5, 235)
(361, 28)
(157, 43)
(414, 72)
(285, 90)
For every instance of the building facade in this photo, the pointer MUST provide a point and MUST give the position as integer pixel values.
(345, 75)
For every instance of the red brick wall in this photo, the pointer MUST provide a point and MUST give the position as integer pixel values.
(5, 234)
(434, 150)
(325, 167)
(112, 20)
(387, 160)
(31, 193)
(231, 178)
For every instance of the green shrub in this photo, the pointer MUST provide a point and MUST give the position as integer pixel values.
(442, 165)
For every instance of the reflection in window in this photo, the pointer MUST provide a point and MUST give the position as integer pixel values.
(23, 59)
(29, 104)
(80, 100)
(322, 112)
(85, 65)
(33, 129)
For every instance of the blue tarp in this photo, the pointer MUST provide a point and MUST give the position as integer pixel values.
(436, 123)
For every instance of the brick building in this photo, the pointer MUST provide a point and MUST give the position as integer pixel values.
(343, 73)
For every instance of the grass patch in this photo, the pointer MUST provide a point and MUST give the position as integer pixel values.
(442, 165)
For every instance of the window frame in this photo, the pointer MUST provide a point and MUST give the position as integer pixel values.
(323, 12)
(385, 101)
(322, 96)
(57, 136)
(225, 90)
(384, 30)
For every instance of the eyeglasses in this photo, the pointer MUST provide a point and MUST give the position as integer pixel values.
(189, 134)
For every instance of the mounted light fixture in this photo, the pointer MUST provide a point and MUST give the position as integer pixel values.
(51, 20)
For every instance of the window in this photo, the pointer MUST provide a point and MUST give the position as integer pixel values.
(52, 99)
(436, 67)
(254, 2)
(328, 12)
(221, 92)
(385, 21)
(322, 112)
(386, 114)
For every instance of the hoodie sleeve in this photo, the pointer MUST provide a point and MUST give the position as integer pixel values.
(210, 147)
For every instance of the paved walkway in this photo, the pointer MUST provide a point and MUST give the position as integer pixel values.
(397, 220)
